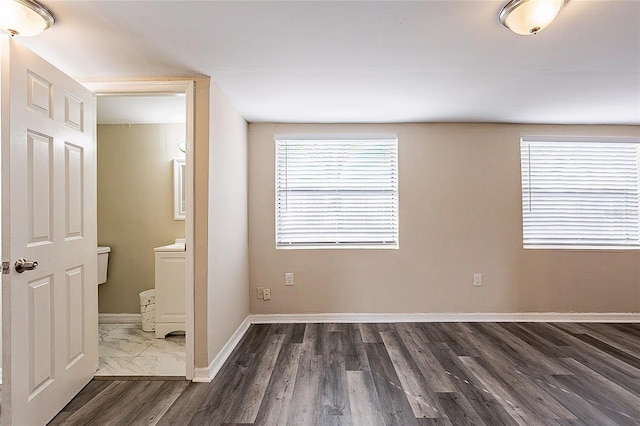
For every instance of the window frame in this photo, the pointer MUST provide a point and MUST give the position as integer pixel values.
(575, 139)
(278, 138)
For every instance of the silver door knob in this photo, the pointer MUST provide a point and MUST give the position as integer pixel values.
(25, 265)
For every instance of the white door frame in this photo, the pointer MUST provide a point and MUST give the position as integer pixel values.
(186, 87)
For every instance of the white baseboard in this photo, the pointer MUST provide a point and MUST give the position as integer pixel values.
(206, 374)
(119, 318)
(626, 317)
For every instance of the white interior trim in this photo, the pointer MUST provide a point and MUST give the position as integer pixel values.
(170, 85)
(627, 317)
(119, 319)
(206, 374)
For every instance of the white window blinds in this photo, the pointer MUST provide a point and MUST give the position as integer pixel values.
(336, 192)
(580, 193)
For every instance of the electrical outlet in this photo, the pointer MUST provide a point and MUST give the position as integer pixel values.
(266, 294)
(260, 292)
(477, 280)
(288, 278)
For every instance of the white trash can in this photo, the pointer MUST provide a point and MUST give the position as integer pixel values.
(148, 309)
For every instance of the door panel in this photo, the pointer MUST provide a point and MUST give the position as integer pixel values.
(75, 312)
(39, 170)
(74, 206)
(48, 215)
(41, 337)
(39, 94)
(73, 112)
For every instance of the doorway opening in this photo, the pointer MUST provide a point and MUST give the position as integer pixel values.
(145, 224)
(141, 149)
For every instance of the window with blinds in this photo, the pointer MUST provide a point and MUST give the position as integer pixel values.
(580, 193)
(336, 192)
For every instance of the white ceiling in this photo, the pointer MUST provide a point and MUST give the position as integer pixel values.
(148, 109)
(366, 61)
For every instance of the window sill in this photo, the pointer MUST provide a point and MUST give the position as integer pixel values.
(584, 248)
(340, 247)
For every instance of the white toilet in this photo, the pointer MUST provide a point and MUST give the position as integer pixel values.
(103, 262)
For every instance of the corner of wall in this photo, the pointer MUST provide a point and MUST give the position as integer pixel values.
(228, 252)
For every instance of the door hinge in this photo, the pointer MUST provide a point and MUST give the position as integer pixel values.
(6, 267)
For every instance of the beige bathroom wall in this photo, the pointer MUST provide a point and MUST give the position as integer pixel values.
(460, 214)
(228, 262)
(135, 206)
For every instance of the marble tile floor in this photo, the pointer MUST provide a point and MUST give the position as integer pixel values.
(126, 350)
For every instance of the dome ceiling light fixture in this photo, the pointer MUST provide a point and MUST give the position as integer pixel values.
(24, 18)
(527, 17)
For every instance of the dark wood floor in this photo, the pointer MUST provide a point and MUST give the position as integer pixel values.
(395, 374)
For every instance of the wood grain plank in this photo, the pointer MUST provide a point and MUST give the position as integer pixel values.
(355, 354)
(458, 410)
(528, 354)
(453, 335)
(614, 336)
(149, 402)
(488, 409)
(185, 406)
(526, 384)
(516, 408)
(540, 344)
(432, 371)
(334, 327)
(437, 422)
(90, 391)
(254, 338)
(245, 403)
(332, 404)
(363, 399)
(619, 354)
(295, 333)
(212, 400)
(278, 328)
(307, 384)
(108, 404)
(605, 405)
(631, 329)
(421, 399)
(395, 408)
(624, 400)
(370, 333)
(274, 409)
(601, 362)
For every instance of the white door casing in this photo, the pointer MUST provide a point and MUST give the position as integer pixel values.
(48, 215)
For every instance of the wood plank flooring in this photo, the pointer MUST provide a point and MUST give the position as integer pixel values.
(394, 374)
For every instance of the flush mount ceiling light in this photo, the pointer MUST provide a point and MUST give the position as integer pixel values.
(526, 17)
(24, 17)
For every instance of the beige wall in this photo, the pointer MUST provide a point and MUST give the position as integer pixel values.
(201, 220)
(135, 206)
(460, 213)
(228, 274)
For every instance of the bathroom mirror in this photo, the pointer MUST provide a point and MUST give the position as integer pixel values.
(179, 205)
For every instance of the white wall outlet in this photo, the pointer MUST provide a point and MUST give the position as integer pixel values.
(266, 293)
(288, 278)
(260, 292)
(477, 280)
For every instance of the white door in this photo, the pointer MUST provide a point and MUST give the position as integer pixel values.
(49, 216)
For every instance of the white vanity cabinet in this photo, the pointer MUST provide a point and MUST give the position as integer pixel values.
(170, 291)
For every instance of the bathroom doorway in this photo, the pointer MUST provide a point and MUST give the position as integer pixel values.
(141, 135)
